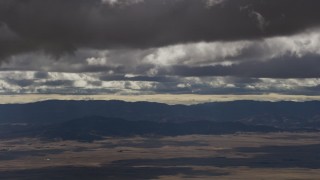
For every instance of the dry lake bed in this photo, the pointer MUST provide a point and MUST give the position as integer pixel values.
(237, 156)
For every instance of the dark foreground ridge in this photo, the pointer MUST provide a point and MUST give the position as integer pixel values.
(91, 128)
(95, 128)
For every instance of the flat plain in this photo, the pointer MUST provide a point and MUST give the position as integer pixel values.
(234, 156)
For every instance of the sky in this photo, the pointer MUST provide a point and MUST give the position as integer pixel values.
(155, 49)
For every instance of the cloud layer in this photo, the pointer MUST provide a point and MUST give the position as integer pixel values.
(159, 46)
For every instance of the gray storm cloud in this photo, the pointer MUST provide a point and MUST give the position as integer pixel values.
(60, 26)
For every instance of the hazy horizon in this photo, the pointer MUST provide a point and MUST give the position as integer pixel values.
(186, 99)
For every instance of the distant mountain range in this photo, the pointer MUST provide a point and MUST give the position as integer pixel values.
(93, 119)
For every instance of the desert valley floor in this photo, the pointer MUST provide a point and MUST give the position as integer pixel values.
(238, 156)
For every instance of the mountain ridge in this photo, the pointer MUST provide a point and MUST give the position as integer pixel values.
(278, 114)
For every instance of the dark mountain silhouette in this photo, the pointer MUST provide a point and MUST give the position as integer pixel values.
(277, 114)
(91, 120)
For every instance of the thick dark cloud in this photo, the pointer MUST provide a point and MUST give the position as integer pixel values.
(58, 83)
(20, 82)
(59, 26)
(41, 75)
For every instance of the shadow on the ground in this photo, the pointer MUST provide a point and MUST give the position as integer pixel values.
(306, 156)
(11, 155)
(153, 143)
(107, 172)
